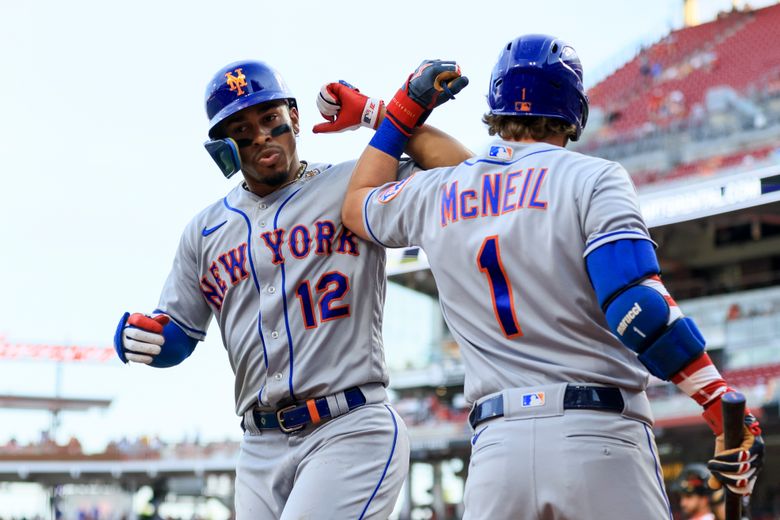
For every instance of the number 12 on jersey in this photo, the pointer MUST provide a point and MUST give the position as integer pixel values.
(332, 287)
(489, 262)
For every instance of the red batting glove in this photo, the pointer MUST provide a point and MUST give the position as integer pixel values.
(148, 323)
(431, 84)
(346, 108)
(142, 337)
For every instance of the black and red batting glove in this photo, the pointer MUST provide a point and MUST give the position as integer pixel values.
(431, 84)
(736, 468)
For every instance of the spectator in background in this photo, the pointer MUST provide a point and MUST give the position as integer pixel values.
(656, 70)
(734, 312)
(695, 493)
(644, 65)
(73, 447)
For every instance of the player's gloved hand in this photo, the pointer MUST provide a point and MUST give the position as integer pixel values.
(737, 468)
(140, 337)
(433, 83)
(346, 108)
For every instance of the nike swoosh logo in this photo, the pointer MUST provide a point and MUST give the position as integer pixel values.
(209, 230)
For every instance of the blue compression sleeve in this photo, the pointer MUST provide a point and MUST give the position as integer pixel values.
(620, 264)
(177, 347)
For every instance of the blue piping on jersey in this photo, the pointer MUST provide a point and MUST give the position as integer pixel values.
(365, 219)
(475, 438)
(502, 163)
(284, 297)
(254, 273)
(657, 470)
(602, 237)
(179, 323)
(387, 464)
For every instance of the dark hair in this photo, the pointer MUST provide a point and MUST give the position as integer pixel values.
(537, 128)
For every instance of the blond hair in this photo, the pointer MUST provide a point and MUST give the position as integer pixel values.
(518, 128)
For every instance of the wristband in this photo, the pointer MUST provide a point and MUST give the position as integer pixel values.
(389, 139)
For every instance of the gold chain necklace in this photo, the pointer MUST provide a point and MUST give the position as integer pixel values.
(298, 176)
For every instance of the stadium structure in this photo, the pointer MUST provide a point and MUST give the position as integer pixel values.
(695, 118)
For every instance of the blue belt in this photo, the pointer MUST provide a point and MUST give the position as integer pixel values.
(576, 397)
(295, 417)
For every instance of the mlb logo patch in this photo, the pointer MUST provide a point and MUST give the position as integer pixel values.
(500, 152)
(533, 399)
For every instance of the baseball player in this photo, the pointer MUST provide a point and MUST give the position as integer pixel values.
(298, 299)
(695, 494)
(549, 282)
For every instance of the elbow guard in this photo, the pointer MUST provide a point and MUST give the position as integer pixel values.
(638, 308)
(640, 317)
(177, 347)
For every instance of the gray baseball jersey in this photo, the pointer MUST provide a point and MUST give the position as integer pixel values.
(506, 235)
(515, 292)
(298, 298)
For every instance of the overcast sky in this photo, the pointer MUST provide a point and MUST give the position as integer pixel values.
(103, 165)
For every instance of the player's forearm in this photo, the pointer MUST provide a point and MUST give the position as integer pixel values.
(374, 168)
(432, 148)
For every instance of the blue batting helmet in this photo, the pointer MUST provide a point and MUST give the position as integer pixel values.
(243, 84)
(539, 75)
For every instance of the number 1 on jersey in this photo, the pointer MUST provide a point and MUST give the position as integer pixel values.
(489, 262)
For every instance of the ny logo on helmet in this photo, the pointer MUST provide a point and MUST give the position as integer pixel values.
(236, 82)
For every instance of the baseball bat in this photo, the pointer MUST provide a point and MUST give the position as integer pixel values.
(733, 428)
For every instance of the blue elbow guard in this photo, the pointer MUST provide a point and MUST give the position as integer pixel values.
(638, 318)
(637, 314)
(177, 347)
(619, 264)
(674, 350)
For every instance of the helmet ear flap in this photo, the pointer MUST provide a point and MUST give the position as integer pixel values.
(225, 154)
(583, 119)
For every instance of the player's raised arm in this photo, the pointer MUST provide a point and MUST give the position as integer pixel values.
(346, 108)
(430, 85)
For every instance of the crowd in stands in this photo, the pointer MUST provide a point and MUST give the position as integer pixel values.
(745, 159)
(44, 447)
(698, 83)
(141, 448)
